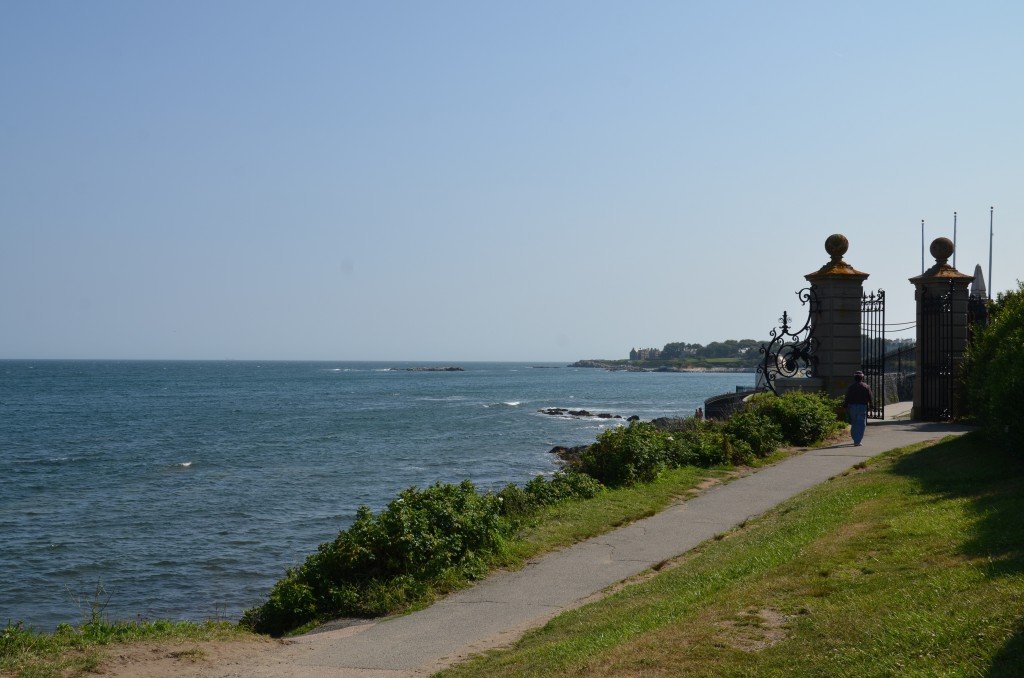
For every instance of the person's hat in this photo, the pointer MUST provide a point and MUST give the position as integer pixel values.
(858, 373)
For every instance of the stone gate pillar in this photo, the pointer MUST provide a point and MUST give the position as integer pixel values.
(837, 287)
(942, 297)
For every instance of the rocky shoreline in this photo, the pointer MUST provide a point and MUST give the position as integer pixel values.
(613, 366)
(562, 411)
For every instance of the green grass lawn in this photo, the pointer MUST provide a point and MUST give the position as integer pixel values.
(912, 566)
(569, 522)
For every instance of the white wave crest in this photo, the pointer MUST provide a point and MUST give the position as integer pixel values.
(508, 403)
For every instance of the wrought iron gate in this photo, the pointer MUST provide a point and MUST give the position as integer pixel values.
(872, 349)
(938, 359)
(790, 352)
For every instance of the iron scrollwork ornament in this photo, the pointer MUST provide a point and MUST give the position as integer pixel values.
(790, 353)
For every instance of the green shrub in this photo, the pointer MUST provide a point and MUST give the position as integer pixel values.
(563, 485)
(515, 501)
(994, 370)
(698, 443)
(566, 484)
(762, 433)
(737, 451)
(626, 455)
(385, 561)
(423, 541)
(805, 418)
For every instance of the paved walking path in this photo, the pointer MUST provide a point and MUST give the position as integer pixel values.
(500, 608)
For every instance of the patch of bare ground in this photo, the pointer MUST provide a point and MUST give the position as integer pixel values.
(182, 658)
(753, 630)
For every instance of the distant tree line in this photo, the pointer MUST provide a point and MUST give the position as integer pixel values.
(742, 352)
(730, 348)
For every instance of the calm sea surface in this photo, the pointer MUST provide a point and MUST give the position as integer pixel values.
(186, 488)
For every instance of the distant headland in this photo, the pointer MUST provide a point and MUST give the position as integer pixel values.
(731, 355)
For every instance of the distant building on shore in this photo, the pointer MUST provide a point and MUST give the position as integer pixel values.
(645, 354)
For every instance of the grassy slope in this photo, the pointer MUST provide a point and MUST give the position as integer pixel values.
(915, 565)
(573, 521)
(81, 649)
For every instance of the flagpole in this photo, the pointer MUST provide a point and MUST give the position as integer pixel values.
(922, 247)
(991, 289)
(954, 238)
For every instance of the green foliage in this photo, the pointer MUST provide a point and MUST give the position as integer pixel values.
(626, 455)
(995, 370)
(804, 418)
(762, 433)
(423, 542)
(745, 349)
(699, 443)
(640, 452)
(384, 561)
(523, 501)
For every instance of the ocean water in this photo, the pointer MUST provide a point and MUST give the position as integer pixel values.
(184, 489)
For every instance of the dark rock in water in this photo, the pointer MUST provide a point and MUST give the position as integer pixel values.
(579, 413)
(553, 410)
(569, 455)
(427, 369)
(633, 418)
(670, 423)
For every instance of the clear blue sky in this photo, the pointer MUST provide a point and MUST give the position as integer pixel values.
(484, 181)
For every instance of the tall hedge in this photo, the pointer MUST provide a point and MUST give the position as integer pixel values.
(994, 371)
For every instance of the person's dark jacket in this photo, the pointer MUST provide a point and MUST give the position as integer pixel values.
(858, 393)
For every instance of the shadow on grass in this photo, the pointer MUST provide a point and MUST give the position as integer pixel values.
(992, 480)
(1010, 658)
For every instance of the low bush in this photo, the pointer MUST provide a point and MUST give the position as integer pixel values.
(698, 443)
(994, 370)
(627, 455)
(804, 418)
(384, 561)
(423, 542)
(761, 432)
(566, 484)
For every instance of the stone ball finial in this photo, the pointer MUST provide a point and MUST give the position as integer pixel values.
(941, 249)
(836, 246)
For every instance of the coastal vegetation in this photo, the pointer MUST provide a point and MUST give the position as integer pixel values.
(640, 452)
(427, 542)
(431, 541)
(995, 370)
(909, 564)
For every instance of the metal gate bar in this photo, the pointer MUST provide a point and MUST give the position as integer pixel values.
(872, 349)
(937, 358)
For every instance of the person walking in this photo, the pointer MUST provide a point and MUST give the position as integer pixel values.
(858, 398)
